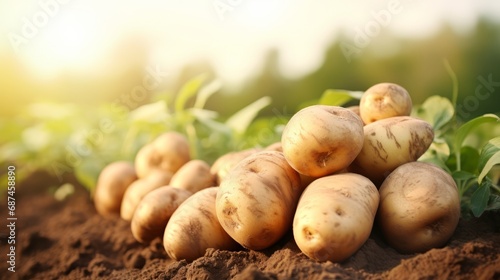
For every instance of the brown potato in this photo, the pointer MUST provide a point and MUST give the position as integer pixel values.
(113, 180)
(257, 199)
(138, 189)
(226, 162)
(154, 211)
(383, 101)
(193, 228)
(193, 176)
(389, 143)
(320, 140)
(419, 207)
(167, 153)
(335, 216)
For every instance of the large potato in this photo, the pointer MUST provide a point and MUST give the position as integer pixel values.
(138, 189)
(113, 180)
(257, 199)
(194, 227)
(335, 216)
(419, 207)
(320, 140)
(193, 176)
(383, 101)
(389, 143)
(167, 153)
(154, 210)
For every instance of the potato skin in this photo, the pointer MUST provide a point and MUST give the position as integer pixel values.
(419, 207)
(226, 162)
(138, 189)
(193, 228)
(384, 100)
(193, 176)
(335, 216)
(154, 210)
(167, 153)
(113, 180)
(389, 143)
(256, 201)
(320, 140)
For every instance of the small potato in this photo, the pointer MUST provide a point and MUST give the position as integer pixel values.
(383, 101)
(335, 216)
(193, 228)
(257, 199)
(113, 180)
(138, 189)
(167, 153)
(320, 140)
(154, 210)
(226, 162)
(389, 143)
(275, 147)
(419, 207)
(193, 176)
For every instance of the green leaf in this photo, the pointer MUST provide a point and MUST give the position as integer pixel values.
(436, 110)
(463, 176)
(336, 97)
(494, 159)
(188, 90)
(240, 121)
(205, 93)
(479, 199)
(152, 112)
(464, 130)
(488, 150)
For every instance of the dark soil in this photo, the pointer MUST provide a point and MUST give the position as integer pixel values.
(69, 240)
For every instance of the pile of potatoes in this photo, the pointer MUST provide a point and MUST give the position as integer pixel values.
(335, 174)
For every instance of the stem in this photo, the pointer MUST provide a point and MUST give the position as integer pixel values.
(454, 81)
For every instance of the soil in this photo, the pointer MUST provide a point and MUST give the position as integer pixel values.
(69, 240)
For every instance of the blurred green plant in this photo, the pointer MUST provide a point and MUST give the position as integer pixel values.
(67, 139)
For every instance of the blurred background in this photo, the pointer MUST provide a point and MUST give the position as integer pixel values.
(89, 52)
(64, 61)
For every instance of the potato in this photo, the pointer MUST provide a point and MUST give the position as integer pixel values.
(113, 180)
(355, 109)
(320, 140)
(138, 189)
(383, 101)
(419, 207)
(389, 143)
(168, 152)
(226, 162)
(193, 176)
(193, 228)
(154, 210)
(257, 199)
(275, 147)
(335, 216)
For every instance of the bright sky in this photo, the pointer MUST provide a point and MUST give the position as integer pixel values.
(52, 36)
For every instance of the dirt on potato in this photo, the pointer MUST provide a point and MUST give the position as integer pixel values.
(69, 240)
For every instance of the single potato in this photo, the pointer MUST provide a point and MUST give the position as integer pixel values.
(383, 101)
(419, 207)
(167, 153)
(389, 143)
(226, 162)
(320, 140)
(193, 176)
(256, 201)
(138, 189)
(113, 180)
(335, 216)
(193, 228)
(154, 210)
